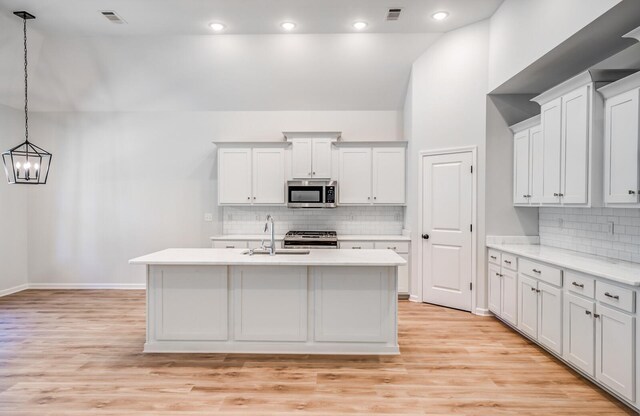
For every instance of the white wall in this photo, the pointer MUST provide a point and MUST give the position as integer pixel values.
(123, 184)
(13, 210)
(522, 31)
(448, 97)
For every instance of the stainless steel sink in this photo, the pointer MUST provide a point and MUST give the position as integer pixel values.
(278, 252)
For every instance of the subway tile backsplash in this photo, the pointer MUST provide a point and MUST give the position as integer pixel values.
(587, 230)
(344, 220)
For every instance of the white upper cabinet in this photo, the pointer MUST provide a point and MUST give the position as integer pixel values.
(311, 158)
(388, 175)
(355, 175)
(321, 158)
(575, 146)
(251, 175)
(567, 161)
(268, 176)
(527, 154)
(371, 175)
(234, 176)
(621, 134)
(551, 118)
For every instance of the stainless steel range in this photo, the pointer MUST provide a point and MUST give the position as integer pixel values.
(311, 239)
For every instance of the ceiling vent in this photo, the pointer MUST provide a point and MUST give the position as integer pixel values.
(113, 16)
(394, 14)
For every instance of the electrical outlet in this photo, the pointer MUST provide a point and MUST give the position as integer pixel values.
(208, 217)
(610, 228)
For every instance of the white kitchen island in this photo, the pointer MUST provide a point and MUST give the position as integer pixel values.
(221, 300)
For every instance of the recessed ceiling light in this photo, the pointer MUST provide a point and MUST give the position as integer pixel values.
(217, 27)
(359, 25)
(288, 26)
(440, 15)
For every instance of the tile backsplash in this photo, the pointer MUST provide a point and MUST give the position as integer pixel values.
(344, 220)
(587, 230)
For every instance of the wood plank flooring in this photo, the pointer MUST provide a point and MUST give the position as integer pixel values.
(79, 353)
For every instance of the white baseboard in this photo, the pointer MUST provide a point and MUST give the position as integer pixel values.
(14, 289)
(414, 298)
(483, 312)
(119, 286)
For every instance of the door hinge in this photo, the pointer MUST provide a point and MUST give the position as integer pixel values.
(471, 168)
(471, 227)
(470, 286)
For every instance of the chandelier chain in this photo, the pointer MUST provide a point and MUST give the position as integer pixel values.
(26, 97)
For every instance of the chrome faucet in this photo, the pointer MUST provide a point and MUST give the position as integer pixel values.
(272, 245)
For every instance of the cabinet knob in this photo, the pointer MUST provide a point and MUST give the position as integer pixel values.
(631, 192)
(368, 197)
(309, 174)
(425, 236)
(248, 197)
(375, 197)
(313, 173)
(493, 257)
(538, 290)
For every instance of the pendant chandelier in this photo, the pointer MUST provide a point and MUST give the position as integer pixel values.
(26, 163)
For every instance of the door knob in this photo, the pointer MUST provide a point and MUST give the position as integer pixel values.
(425, 236)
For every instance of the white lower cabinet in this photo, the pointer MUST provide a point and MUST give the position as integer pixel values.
(615, 350)
(579, 333)
(589, 322)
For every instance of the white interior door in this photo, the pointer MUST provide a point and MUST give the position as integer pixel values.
(447, 198)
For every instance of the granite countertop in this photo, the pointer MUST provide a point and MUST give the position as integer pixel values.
(235, 257)
(611, 269)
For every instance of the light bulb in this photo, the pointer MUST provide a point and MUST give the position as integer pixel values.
(359, 25)
(36, 166)
(18, 165)
(216, 27)
(27, 165)
(288, 26)
(440, 15)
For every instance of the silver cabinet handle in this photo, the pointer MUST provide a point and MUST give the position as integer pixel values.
(507, 261)
(536, 271)
(533, 289)
(230, 246)
(493, 257)
(631, 192)
(391, 248)
(587, 312)
(595, 315)
(556, 194)
(538, 290)
(560, 194)
(576, 284)
(609, 295)
(498, 274)
(356, 248)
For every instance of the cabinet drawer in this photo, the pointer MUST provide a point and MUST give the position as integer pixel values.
(229, 244)
(356, 245)
(580, 284)
(397, 246)
(495, 257)
(509, 261)
(541, 271)
(617, 296)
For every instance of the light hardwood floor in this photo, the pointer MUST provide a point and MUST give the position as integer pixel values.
(79, 353)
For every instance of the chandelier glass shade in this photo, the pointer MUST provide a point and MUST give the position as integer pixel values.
(26, 163)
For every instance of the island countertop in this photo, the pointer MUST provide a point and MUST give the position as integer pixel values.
(235, 257)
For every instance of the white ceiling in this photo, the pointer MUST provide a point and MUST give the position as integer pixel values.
(166, 58)
(191, 17)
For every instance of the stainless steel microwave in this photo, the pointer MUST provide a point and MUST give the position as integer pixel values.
(312, 194)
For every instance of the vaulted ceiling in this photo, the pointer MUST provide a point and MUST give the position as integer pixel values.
(166, 58)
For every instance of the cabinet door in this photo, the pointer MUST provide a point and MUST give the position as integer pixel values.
(615, 349)
(403, 275)
(509, 296)
(551, 114)
(521, 169)
(621, 148)
(355, 176)
(301, 151)
(550, 317)
(528, 306)
(575, 146)
(388, 175)
(495, 289)
(536, 174)
(268, 176)
(234, 176)
(579, 333)
(321, 159)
